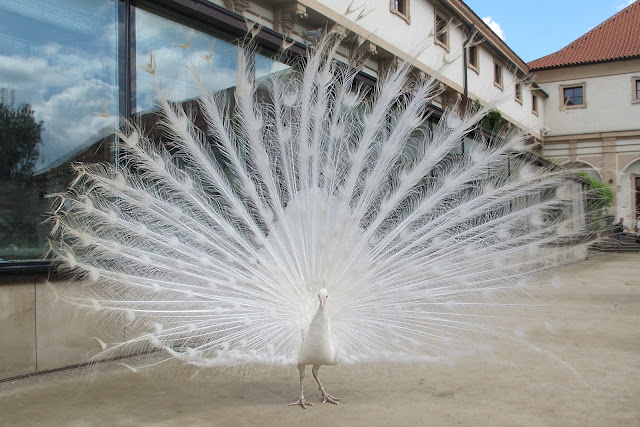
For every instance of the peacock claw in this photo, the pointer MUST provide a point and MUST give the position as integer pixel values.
(327, 398)
(302, 403)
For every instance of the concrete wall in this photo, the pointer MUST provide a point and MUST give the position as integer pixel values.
(38, 333)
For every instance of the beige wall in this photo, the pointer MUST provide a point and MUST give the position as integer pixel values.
(38, 333)
(605, 135)
(609, 106)
(614, 156)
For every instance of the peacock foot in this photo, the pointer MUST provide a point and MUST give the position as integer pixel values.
(302, 402)
(327, 398)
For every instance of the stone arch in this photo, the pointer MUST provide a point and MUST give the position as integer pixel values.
(628, 200)
(633, 164)
(585, 167)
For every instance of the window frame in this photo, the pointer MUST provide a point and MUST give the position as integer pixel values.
(534, 104)
(405, 13)
(440, 16)
(562, 99)
(635, 89)
(498, 74)
(214, 20)
(473, 52)
(517, 92)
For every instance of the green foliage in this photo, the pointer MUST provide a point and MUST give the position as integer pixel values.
(600, 198)
(492, 121)
(20, 135)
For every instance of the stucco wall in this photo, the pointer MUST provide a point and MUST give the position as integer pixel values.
(414, 40)
(608, 106)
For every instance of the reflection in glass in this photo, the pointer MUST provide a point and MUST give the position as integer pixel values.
(170, 55)
(58, 96)
(175, 51)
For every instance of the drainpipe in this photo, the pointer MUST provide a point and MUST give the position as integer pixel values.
(471, 28)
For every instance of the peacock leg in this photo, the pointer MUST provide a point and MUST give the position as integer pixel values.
(301, 401)
(326, 397)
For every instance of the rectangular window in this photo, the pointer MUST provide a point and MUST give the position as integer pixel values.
(518, 92)
(573, 96)
(534, 104)
(473, 59)
(635, 89)
(59, 104)
(400, 8)
(441, 31)
(497, 75)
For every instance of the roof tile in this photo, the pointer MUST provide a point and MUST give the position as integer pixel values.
(616, 38)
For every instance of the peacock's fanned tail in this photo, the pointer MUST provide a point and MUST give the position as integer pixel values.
(212, 246)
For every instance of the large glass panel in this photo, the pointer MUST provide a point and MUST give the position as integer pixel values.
(174, 51)
(171, 56)
(58, 104)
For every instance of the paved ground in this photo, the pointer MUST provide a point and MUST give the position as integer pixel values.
(596, 330)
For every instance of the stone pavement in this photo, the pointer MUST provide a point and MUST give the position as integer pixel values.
(588, 329)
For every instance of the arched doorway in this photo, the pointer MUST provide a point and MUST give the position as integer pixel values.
(587, 168)
(629, 194)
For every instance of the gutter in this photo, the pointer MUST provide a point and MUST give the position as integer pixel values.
(471, 27)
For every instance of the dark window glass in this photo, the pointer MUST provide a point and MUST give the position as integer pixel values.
(400, 6)
(473, 56)
(519, 91)
(58, 104)
(573, 96)
(637, 89)
(497, 74)
(442, 34)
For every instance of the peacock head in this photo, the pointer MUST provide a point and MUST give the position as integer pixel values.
(322, 296)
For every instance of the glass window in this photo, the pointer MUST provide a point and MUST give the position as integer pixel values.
(170, 54)
(473, 57)
(637, 89)
(400, 6)
(497, 75)
(441, 31)
(175, 49)
(58, 104)
(573, 96)
(518, 92)
(178, 51)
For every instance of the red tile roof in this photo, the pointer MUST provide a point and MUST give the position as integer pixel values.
(616, 38)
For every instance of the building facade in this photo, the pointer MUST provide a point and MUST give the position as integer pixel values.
(71, 72)
(592, 115)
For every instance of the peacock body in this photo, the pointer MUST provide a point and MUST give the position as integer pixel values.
(216, 247)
